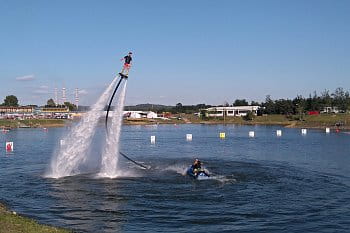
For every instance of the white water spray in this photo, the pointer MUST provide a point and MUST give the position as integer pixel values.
(111, 153)
(72, 154)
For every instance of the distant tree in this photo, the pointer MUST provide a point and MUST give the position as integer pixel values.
(51, 103)
(178, 108)
(203, 114)
(339, 98)
(201, 106)
(72, 107)
(250, 116)
(269, 105)
(240, 102)
(284, 107)
(11, 100)
(253, 103)
(299, 104)
(326, 99)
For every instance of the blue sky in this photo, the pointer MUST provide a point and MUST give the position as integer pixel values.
(199, 51)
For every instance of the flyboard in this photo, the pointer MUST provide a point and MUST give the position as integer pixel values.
(122, 76)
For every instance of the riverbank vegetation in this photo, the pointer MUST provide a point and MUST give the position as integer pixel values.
(11, 222)
(31, 123)
(336, 102)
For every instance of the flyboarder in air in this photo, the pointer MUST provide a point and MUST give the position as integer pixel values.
(123, 75)
(127, 64)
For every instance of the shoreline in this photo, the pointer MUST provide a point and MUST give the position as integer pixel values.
(311, 122)
(10, 221)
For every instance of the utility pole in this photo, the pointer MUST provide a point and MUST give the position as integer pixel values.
(77, 97)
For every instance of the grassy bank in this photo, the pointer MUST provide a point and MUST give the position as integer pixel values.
(33, 123)
(316, 121)
(326, 120)
(13, 223)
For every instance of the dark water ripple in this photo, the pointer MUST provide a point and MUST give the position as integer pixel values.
(290, 184)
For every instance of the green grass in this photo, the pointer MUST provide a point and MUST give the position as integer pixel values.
(8, 123)
(317, 121)
(328, 120)
(31, 122)
(13, 223)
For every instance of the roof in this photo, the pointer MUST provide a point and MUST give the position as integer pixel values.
(17, 107)
(234, 108)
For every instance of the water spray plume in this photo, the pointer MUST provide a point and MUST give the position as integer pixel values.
(72, 154)
(111, 152)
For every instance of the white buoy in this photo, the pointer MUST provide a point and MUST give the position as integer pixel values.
(279, 133)
(189, 137)
(222, 135)
(9, 146)
(62, 142)
(153, 139)
(328, 130)
(251, 134)
(303, 131)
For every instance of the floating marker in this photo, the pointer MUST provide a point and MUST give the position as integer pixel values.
(62, 142)
(251, 134)
(303, 131)
(222, 135)
(189, 137)
(153, 139)
(328, 130)
(9, 146)
(279, 133)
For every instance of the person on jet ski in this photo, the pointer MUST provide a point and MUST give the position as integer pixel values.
(196, 167)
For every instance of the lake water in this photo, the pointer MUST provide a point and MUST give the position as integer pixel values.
(293, 183)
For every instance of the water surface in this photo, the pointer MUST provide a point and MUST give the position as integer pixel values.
(292, 183)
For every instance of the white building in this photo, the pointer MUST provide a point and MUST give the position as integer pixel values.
(231, 111)
(140, 114)
(330, 110)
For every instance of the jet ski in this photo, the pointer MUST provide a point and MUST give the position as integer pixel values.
(200, 175)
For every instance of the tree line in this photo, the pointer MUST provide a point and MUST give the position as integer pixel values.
(339, 99)
(12, 101)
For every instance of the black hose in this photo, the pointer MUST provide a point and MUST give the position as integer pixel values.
(139, 164)
(108, 108)
(111, 100)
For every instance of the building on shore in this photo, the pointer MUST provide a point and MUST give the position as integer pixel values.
(140, 114)
(19, 112)
(62, 112)
(63, 109)
(231, 111)
(330, 110)
(12, 109)
(30, 112)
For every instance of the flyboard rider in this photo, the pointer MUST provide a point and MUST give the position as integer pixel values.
(127, 64)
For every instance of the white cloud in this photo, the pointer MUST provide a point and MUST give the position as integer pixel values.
(26, 78)
(42, 90)
(83, 92)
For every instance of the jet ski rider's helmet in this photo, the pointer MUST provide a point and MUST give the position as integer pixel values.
(130, 53)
